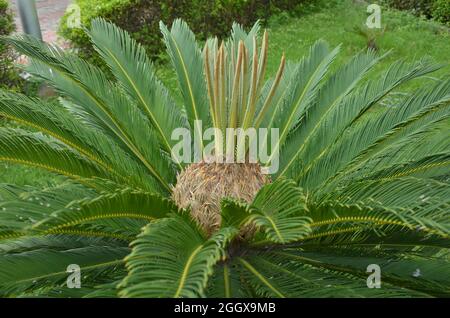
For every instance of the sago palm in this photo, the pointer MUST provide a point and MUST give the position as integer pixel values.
(362, 178)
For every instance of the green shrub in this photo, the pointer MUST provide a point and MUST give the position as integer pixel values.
(141, 18)
(441, 11)
(8, 74)
(438, 10)
(417, 7)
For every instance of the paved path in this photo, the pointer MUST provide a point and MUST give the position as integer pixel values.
(49, 12)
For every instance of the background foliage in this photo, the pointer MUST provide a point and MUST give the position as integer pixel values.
(8, 74)
(436, 9)
(441, 11)
(141, 18)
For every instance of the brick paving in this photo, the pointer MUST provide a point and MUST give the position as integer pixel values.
(49, 12)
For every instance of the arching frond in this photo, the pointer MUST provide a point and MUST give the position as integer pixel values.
(383, 132)
(383, 207)
(386, 236)
(279, 208)
(27, 271)
(297, 273)
(69, 240)
(21, 207)
(121, 205)
(302, 89)
(411, 272)
(35, 150)
(226, 283)
(433, 166)
(187, 61)
(134, 71)
(105, 103)
(52, 119)
(172, 258)
(284, 274)
(328, 101)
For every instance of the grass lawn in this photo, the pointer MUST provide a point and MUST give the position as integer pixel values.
(407, 36)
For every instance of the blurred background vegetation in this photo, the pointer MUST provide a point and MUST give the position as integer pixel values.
(9, 75)
(411, 29)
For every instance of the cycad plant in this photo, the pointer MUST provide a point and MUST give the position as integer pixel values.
(362, 178)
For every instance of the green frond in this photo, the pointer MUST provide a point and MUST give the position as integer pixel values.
(102, 101)
(279, 209)
(429, 140)
(351, 108)
(432, 166)
(64, 239)
(226, 283)
(27, 271)
(100, 286)
(21, 207)
(289, 273)
(108, 290)
(382, 133)
(414, 273)
(57, 292)
(35, 150)
(404, 192)
(234, 213)
(302, 90)
(309, 138)
(124, 204)
(134, 71)
(172, 258)
(53, 120)
(368, 235)
(188, 62)
(410, 202)
(30, 112)
(238, 34)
